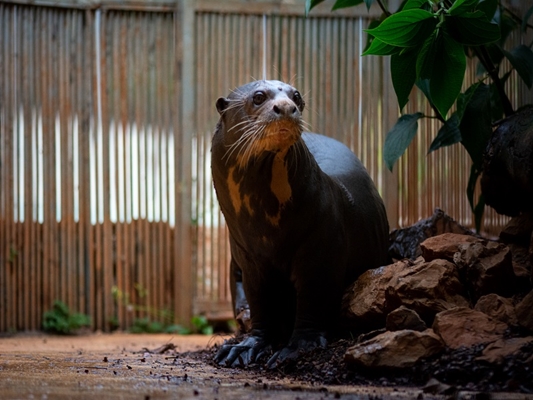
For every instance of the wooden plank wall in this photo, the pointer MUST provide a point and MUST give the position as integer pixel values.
(106, 117)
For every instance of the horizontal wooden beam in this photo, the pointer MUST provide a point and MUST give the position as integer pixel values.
(133, 5)
(268, 7)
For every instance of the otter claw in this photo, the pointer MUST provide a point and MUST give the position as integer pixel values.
(242, 354)
(296, 346)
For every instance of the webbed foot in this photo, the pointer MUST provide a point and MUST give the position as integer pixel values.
(243, 354)
(300, 343)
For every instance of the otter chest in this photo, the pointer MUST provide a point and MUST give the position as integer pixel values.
(260, 192)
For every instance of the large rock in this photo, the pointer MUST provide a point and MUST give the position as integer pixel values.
(518, 229)
(427, 288)
(405, 242)
(364, 304)
(497, 351)
(487, 266)
(518, 235)
(400, 349)
(463, 326)
(497, 307)
(444, 246)
(524, 311)
(507, 179)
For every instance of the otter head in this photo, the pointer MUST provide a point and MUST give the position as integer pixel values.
(261, 116)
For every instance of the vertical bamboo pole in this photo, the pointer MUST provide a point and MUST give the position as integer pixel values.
(27, 74)
(3, 159)
(62, 112)
(185, 42)
(47, 236)
(38, 259)
(107, 262)
(8, 182)
(120, 118)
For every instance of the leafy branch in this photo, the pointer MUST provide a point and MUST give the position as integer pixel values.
(428, 42)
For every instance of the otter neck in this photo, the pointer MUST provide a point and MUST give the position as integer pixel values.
(271, 183)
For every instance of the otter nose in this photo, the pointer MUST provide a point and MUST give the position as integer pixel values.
(285, 108)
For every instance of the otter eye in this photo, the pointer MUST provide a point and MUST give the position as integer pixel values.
(297, 98)
(259, 98)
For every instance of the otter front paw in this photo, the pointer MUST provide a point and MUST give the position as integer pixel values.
(242, 354)
(300, 343)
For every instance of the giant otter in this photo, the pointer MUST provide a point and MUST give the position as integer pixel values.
(304, 218)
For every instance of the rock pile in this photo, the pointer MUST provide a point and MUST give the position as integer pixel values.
(459, 291)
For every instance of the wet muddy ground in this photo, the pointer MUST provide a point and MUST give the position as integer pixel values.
(126, 366)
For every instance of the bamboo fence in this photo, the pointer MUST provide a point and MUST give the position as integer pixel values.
(106, 116)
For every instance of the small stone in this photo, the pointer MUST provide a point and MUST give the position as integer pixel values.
(497, 307)
(364, 301)
(497, 351)
(400, 349)
(434, 386)
(524, 311)
(488, 268)
(427, 288)
(444, 246)
(518, 229)
(405, 242)
(404, 318)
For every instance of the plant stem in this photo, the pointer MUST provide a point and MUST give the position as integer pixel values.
(383, 8)
(516, 17)
(437, 113)
(484, 57)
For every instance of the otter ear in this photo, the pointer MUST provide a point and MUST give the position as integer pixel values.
(222, 104)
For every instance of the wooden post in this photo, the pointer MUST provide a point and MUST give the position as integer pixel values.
(185, 54)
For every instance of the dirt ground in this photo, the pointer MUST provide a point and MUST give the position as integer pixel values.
(125, 366)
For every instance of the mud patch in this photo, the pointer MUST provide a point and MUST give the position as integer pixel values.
(459, 369)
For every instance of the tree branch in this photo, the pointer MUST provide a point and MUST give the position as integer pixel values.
(516, 17)
(492, 70)
(383, 8)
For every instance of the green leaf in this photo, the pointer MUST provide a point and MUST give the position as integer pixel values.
(496, 104)
(423, 85)
(527, 15)
(369, 38)
(496, 55)
(488, 7)
(476, 127)
(345, 3)
(405, 28)
(473, 29)
(399, 138)
(447, 73)
(378, 48)
(471, 186)
(521, 58)
(479, 208)
(403, 74)
(426, 57)
(413, 4)
(464, 99)
(462, 6)
(507, 25)
(368, 4)
(310, 4)
(448, 134)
